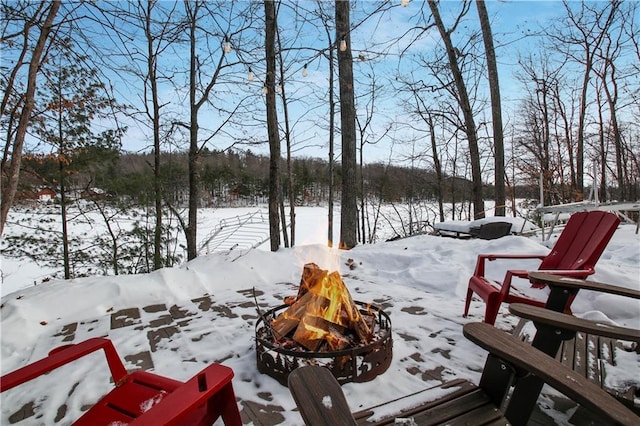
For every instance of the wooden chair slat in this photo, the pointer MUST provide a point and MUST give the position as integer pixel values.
(449, 411)
(487, 414)
(580, 355)
(409, 405)
(592, 359)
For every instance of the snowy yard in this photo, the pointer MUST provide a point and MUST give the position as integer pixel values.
(176, 320)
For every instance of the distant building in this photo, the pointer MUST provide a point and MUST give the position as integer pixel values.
(94, 194)
(46, 195)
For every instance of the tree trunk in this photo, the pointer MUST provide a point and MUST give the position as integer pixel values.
(437, 168)
(191, 231)
(465, 106)
(546, 155)
(496, 108)
(332, 126)
(349, 207)
(66, 261)
(272, 124)
(579, 190)
(612, 99)
(288, 242)
(155, 119)
(363, 231)
(13, 174)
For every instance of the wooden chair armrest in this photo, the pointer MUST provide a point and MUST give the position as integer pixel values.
(569, 322)
(522, 273)
(570, 283)
(522, 356)
(65, 355)
(173, 408)
(319, 397)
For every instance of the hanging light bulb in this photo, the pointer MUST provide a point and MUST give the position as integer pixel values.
(304, 71)
(343, 45)
(227, 45)
(250, 76)
(265, 90)
(404, 3)
(279, 88)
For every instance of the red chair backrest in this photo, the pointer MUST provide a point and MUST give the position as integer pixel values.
(582, 241)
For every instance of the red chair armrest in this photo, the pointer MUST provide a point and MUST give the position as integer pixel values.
(512, 256)
(180, 403)
(62, 356)
(520, 273)
(569, 272)
(479, 271)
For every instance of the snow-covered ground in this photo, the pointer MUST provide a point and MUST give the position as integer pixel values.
(421, 281)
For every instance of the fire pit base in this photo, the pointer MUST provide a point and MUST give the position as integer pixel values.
(360, 363)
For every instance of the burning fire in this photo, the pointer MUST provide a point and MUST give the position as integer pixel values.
(323, 312)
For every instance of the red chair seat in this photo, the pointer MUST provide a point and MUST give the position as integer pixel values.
(141, 397)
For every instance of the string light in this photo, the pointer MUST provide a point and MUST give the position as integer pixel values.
(343, 45)
(265, 90)
(404, 3)
(279, 88)
(250, 76)
(304, 71)
(227, 45)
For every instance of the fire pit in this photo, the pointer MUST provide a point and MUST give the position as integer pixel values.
(324, 326)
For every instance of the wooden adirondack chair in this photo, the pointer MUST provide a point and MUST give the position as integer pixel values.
(142, 398)
(510, 362)
(574, 254)
(586, 346)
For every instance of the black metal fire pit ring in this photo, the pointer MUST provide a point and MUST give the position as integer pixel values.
(360, 363)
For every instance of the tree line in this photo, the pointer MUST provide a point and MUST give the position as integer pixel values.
(231, 178)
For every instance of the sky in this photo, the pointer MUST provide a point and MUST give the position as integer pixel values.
(403, 134)
(511, 20)
(420, 281)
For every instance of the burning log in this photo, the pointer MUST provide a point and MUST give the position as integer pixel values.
(312, 331)
(323, 311)
(290, 318)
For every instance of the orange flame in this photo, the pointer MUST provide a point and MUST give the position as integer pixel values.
(331, 287)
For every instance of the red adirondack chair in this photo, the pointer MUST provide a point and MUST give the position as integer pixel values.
(140, 397)
(574, 254)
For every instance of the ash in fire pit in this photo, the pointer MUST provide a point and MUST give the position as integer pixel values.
(323, 325)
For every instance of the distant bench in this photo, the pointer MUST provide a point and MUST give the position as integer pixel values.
(489, 230)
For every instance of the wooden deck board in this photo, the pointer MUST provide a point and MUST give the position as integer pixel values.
(589, 355)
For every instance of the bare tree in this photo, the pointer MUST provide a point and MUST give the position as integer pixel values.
(271, 28)
(580, 35)
(349, 205)
(611, 76)
(205, 72)
(535, 128)
(156, 44)
(364, 123)
(496, 108)
(44, 20)
(464, 102)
